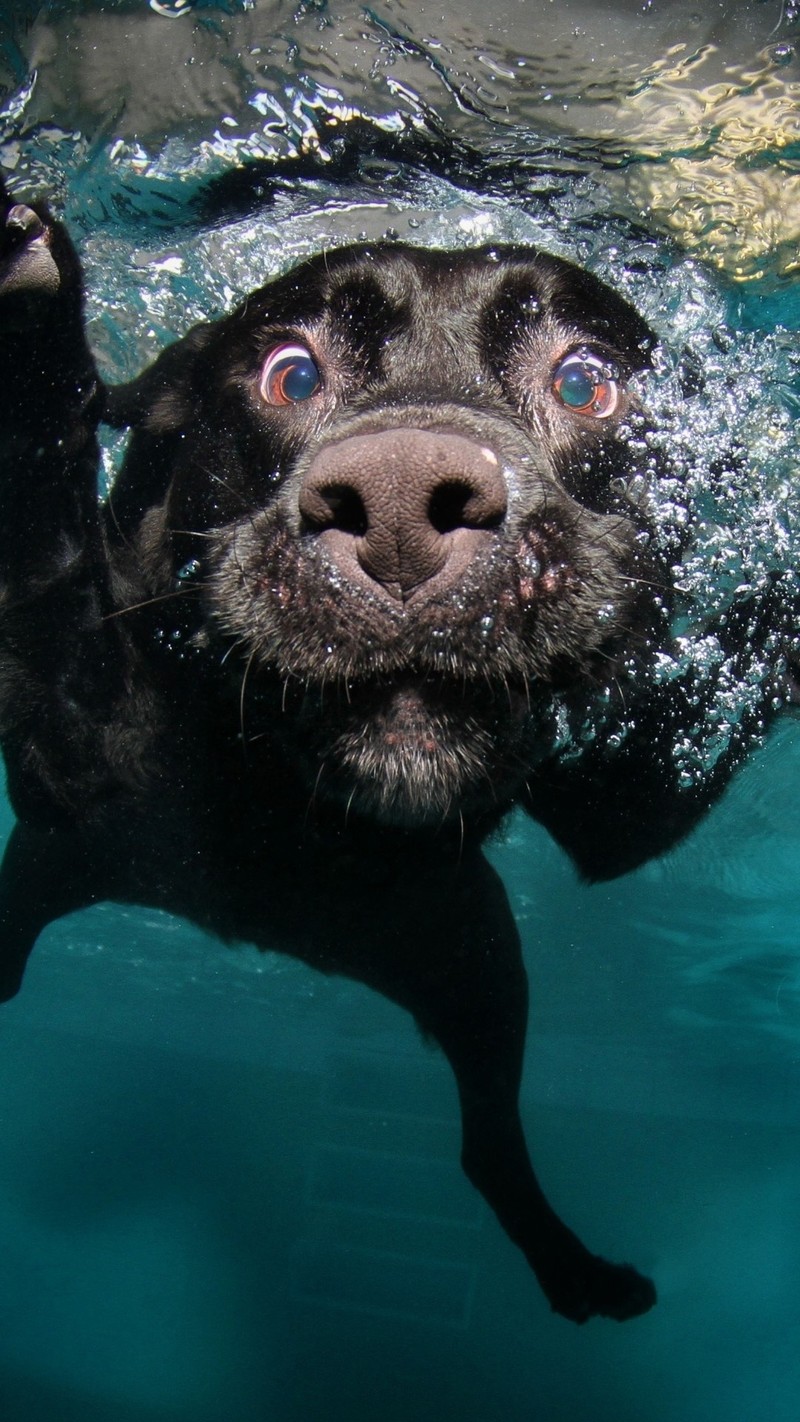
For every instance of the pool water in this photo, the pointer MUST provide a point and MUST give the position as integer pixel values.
(229, 1190)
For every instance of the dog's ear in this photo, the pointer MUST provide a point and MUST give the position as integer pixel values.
(161, 399)
(157, 407)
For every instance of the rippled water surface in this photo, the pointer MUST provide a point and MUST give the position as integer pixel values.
(229, 1192)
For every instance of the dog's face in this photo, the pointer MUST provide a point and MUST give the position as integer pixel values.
(415, 470)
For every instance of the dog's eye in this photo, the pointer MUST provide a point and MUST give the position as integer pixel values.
(586, 383)
(289, 374)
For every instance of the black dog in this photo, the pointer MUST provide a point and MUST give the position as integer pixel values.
(377, 568)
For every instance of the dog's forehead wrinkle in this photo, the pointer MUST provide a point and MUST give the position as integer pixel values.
(427, 283)
(413, 308)
(360, 307)
(441, 360)
(437, 348)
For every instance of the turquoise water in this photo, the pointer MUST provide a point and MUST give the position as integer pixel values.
(229, 1190)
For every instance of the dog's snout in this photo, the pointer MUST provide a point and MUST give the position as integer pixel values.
(405, 506)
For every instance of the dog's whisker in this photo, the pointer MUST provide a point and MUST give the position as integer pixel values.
(235, 646)
(313, 796)
(242, 692)
(149, 601)
(348, 806)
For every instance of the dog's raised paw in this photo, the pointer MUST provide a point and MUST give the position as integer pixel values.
(28, 267)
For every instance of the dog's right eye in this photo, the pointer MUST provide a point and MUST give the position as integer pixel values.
(289, 374)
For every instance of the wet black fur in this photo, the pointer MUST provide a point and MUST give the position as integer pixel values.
(199, 712)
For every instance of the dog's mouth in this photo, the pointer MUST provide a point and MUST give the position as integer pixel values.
(405, 751)
(544, 605)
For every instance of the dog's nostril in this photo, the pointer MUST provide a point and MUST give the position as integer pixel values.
(336, 506)
(455, 503)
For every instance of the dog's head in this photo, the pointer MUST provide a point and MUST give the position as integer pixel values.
(420, 475)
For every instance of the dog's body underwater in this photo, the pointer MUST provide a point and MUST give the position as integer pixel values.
(379, 553)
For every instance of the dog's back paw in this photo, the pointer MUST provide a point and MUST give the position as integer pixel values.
(585, 1286)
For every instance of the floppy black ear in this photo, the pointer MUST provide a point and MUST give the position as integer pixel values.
(157, 406)
(160, 398)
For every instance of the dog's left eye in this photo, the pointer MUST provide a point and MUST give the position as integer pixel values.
(586, 383)
(289, 374)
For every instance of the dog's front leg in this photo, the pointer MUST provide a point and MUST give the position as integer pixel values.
(49, 413)
(62, 666)
(475, 1005)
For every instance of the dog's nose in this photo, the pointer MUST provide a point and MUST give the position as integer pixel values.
(405, 506)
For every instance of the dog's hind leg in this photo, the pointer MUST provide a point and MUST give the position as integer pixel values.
(474, 1002)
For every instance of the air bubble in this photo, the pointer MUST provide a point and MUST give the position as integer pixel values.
(172, 9)
(782, 54)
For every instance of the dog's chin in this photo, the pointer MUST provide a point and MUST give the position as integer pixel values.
(407, 758)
